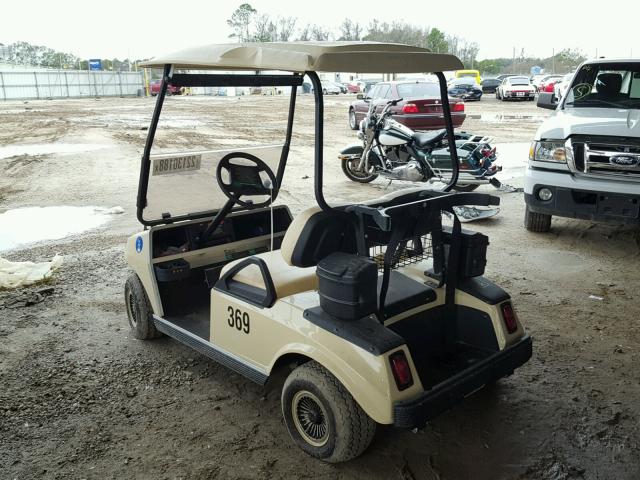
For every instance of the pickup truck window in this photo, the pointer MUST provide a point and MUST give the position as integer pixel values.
(606, 85)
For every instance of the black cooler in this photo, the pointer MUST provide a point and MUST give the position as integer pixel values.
(347, 285)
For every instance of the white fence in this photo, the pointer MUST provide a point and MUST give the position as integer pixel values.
(23, 85)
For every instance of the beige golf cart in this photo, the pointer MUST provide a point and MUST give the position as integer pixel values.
(378, 312)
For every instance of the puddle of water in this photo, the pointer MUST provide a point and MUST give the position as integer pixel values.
(23, 226)
(45, 149)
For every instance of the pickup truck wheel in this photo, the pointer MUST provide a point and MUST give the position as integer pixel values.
(139, 310)
(322, 417)
(352, 119)
(536, 222)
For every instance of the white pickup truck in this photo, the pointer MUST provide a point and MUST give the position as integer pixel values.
(585, 159)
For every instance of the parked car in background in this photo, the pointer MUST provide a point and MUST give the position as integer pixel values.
(474, 74)
(489, 85)
(352, 87)
(154, 88)
(465, 88)
(516, 88)
(343, 88)
(549, 87)
(329, 88)
(560, 88)
(505, 75)
(542, 85)
(420, 108)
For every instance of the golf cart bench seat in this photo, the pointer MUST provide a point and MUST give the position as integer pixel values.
(311, 236)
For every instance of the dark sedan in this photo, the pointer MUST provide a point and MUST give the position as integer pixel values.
(420, 108)
(465, 88)
(489, 85)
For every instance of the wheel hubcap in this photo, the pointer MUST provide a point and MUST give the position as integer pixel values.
(310, 418)
(353, 168)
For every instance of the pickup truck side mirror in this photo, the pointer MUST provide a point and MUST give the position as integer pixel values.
(547, 100)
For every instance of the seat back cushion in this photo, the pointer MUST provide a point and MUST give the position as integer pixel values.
(314, 234)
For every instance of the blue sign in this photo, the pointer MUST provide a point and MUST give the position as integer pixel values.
(95, 64)
(139, 244)
(536, 70)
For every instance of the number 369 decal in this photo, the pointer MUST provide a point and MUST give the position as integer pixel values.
(238, 319)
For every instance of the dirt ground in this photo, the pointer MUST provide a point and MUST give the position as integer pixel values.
(80, 398)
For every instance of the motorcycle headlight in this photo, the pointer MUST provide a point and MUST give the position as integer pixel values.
(549, 151)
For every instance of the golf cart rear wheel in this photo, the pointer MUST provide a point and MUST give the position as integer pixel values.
(465, 188)
(139, 310)
(536, 222)
(322, 417)
(349, 166)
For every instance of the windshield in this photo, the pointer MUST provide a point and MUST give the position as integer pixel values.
(518, 81)
(608, 85)
(196, 131)
(414, 90)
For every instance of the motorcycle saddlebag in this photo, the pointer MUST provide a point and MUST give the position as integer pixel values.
(347, 285)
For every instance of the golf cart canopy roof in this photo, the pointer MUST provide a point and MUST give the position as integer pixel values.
(355, 57)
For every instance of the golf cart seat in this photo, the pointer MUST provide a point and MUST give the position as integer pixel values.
(311, 236)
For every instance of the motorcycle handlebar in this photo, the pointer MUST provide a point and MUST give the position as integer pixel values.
(394, 102)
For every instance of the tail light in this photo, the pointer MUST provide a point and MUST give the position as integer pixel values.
(458, 107)
(509, 317)
(401, 370)
(410, 108)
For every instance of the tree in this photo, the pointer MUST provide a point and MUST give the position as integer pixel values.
(319, 33)
(350, 31)
(240, 21)
(437, 41)
(286, 27)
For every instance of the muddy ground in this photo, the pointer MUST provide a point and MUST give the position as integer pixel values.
(80, 398)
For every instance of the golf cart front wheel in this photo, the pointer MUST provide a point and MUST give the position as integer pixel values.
(322, 417)
(139, 310)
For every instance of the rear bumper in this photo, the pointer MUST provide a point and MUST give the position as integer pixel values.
(515, 95)
(416, 412)
(428, 121)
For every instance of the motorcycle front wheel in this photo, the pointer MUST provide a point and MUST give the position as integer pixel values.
(349, 166)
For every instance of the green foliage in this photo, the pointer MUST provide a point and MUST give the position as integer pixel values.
(240, 21)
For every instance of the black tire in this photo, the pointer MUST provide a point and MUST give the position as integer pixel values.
(324, 91)
(139, 310)
(357, 177)
(322, 417)
(465, 188)
(353, 122)
(497, 95)
(536, 222)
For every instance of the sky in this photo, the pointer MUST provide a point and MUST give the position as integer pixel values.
(142, 29)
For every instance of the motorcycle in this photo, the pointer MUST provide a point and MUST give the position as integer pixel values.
(394, 151)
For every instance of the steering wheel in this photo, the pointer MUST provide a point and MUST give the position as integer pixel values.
(245, 179)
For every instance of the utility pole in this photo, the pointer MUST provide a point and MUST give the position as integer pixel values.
(553, 60)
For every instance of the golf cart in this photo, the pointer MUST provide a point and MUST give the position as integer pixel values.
(377, 311)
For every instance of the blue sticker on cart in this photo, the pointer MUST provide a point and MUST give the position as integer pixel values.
(139, 244)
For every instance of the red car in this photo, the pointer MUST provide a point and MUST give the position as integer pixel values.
(420, 108)
(154, 88)
(550, 79)
(550, 85)
(352, 88)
